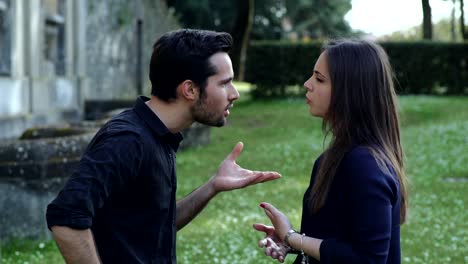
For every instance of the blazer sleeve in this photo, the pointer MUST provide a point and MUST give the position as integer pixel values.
(371, 194)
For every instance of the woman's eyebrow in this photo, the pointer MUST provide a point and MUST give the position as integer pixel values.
(319, 73)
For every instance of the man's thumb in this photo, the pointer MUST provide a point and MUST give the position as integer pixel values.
(236, 151)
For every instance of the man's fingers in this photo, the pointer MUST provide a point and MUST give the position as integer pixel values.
(236, 151)
(264, 176)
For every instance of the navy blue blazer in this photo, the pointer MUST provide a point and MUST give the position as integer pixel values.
(360, 221)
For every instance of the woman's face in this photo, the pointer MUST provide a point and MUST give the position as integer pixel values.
(318, 88)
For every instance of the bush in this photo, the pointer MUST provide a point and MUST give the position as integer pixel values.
(420, 67)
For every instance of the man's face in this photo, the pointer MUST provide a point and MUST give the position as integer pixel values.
(212, 108)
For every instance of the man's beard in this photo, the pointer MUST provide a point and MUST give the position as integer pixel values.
(202, 114)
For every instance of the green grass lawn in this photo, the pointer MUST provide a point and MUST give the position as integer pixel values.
(282, 136)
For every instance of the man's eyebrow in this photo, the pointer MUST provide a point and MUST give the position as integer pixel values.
(319, 73)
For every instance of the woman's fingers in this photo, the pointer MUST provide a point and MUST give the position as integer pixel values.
(268, 230)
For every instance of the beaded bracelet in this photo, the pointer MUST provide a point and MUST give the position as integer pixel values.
(305, 259)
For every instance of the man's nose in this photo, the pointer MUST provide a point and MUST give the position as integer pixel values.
(234, 93)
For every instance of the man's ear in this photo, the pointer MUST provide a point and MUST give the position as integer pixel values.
(188, 90)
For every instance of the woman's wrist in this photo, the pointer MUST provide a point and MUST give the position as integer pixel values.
(286, 237)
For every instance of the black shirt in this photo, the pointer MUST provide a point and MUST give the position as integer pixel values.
(124, 190)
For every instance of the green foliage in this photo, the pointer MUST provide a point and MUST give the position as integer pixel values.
(282, 136)
(318, 19)
(272, 66)
(429, 67)
(205, 14)
(276, 19)
(441, 32)
(267, 19)
(315, 19)
(420, 67)
(28, 251)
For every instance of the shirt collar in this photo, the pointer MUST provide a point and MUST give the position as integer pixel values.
(156, 125)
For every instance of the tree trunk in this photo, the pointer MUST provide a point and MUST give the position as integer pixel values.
(427, 20)
(453, 35)
(464, 33)
(241, 35)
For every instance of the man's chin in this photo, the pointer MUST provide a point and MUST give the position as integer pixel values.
(219, 123)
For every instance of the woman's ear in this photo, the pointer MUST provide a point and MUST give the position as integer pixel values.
(188, 90)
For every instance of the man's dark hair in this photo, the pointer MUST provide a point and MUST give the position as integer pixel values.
(183, 55)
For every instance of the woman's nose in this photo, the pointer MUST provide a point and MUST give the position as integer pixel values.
(308, 86)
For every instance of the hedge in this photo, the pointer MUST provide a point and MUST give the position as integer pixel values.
(275, 68)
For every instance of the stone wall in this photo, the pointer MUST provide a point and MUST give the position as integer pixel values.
(33, 170)
(112, 49)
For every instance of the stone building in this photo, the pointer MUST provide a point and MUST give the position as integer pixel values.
(42, 68)
(56, 54)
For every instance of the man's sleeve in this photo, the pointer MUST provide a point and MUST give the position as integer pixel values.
(103, 169)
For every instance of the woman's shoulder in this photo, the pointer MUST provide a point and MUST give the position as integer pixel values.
(364, 175)
(361, 161)
(359, 156)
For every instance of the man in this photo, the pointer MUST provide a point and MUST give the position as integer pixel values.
(119, 205)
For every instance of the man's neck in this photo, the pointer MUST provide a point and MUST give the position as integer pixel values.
(175, 115)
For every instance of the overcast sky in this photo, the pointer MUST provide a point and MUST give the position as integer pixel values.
(380, 17)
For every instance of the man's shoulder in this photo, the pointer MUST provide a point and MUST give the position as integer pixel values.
(125, 124)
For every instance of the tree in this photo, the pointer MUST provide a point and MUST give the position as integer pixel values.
(427, 20)
(276, 19)
(241, 34)
(464, 32)
(453, 35)
(318, 18)
(234, 17)
(267, 19)
(441, 32)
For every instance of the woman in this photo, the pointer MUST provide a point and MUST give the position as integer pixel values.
(357, 198)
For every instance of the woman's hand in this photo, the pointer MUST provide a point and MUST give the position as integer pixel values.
(273, 241)
(273, 245)
(280, 222)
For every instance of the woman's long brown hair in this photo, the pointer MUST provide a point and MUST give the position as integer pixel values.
(362, 111)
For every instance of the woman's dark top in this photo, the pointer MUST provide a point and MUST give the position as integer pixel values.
(360, 221)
